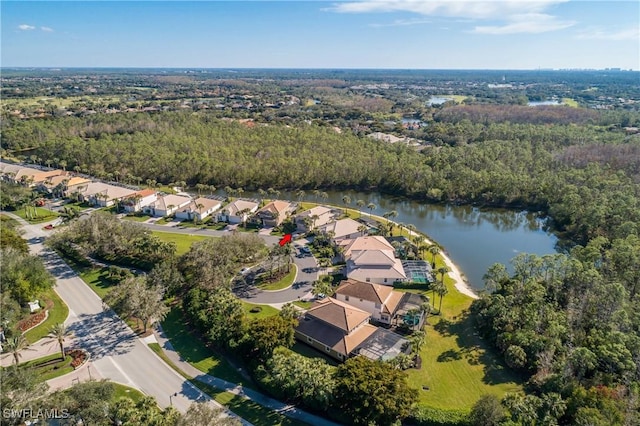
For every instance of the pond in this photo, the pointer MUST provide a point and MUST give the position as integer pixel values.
(473, 237)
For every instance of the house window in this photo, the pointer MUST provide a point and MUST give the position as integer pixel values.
(385, 280)
(368, 280)
(346, 298)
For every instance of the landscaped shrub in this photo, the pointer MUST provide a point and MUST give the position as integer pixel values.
(78, 357)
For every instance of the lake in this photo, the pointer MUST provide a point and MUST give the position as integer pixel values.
(474, 238)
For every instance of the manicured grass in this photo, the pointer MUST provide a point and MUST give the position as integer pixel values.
(282, 283)
(122, 391)
(266, 310)
(457, 365)
(183, 241)
(251, 411)
(166, 189)
(164, 220)
(41, 215)
(57, 314)
(56, 366)
(137, 218)
(194, 351)
(98, 279)
(303, 305)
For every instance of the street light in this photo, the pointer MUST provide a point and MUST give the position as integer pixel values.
(89, 370)
(171, 398)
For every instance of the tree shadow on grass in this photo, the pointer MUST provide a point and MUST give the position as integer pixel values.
(475, 350)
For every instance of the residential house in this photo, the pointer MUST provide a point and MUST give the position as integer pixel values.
(63, 185)
(138, 200)
(31, 178)
(372, 259)
(335, 328)
(379, 300)
(104, 195)
(238, 211)
(10, 172)
(168, 204)
(313, 218)
(199, 209)
(274, 213)
(343, 229)
(341, 330)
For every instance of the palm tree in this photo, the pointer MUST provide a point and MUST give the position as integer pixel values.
(417, 340)
(316, 193)
(239, 191)
(313, 219)
(360, 204)
(433, 249)
(212, 189)
(362, 229)
(200, 187)
(15, 345)
(371, 208)
(324, 196)
(200, 206)
(59, 332)
(229, 191)
(346, 200)
(442, 291)
(300, 194)
(263, 195)
(442, 270)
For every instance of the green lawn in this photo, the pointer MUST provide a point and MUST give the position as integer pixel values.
(137, 218)
(251, 411)
(456, 98)
(8, 221)
(195, 352)
(183, 241)
(41, 215)
(122, 391)
(97, 279)
(570, 102)
(57, 314)
(457, 365)
(303, 305)
(266, 310)
(55, 366)
(282, 283)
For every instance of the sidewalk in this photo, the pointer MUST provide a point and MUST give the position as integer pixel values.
(275, 405)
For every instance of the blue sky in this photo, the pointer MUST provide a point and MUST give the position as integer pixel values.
(419, 34)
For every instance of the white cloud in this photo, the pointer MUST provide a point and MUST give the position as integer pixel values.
(468, 9)
(600, 34)
(25, 27)
(403, 23)
(47, 29)
(534, 23)
(513, 16)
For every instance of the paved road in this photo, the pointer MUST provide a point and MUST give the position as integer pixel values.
(115, 350)
(308, 272)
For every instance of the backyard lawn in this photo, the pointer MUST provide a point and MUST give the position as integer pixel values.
(458, 367)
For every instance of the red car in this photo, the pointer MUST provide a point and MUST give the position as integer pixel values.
(49, 226)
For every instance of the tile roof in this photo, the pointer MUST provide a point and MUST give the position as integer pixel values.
(376, 293)
(334, 338)
(374, 242)
(146, 192)
(277, 206)
(238, 205)
(342, 227)
(338, 314)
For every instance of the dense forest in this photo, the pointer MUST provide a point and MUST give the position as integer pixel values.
(568, 322)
